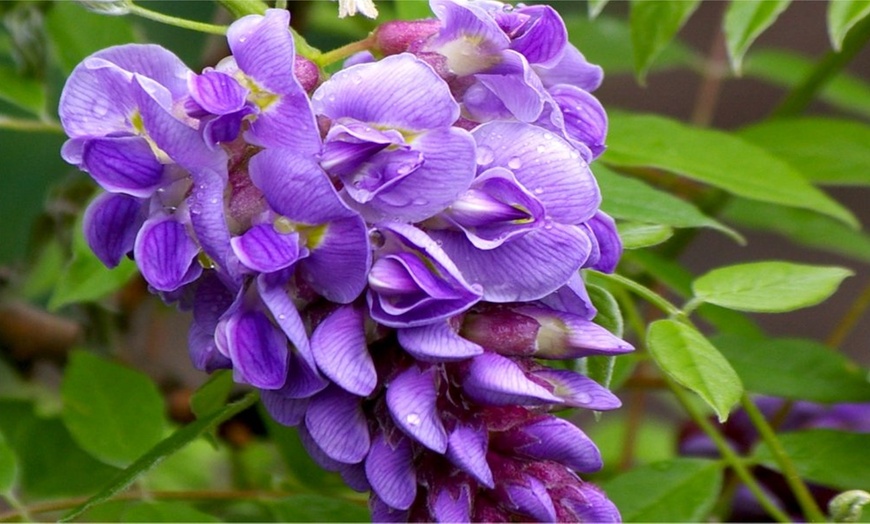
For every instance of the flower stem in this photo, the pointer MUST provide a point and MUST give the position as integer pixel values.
(177, 22)
(850, 319)
(728, 454)
(651, 296)
(345, 51)
(240, 8)
(25, 124)
(800, 97)
(789, 471)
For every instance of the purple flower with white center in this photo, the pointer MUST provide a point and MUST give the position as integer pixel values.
(390, 141)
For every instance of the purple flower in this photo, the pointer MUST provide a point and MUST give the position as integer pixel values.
(390, 143)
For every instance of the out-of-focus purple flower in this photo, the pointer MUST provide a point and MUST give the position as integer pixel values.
(742, 435)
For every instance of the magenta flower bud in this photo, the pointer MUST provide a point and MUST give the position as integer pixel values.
(306, 72)
(400, 36)
(502, 330)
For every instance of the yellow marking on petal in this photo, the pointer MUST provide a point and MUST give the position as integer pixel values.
(312, 236)
(262, 97)
(139, 126)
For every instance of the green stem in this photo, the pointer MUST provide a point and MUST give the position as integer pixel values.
(177, 22)
(804, 93)
(24, 124)
(728, 454)
(850, 319)
(651, 296)
(25, 512)
(19, 509)
(345, 51)
(240, 8)
(804, 498)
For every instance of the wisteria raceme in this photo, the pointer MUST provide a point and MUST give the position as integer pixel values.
(388, 254)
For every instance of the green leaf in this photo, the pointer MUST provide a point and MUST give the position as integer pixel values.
(50, 464)
(769, 287)
(628, 198)
(26, 93)
(179, 439)
(317, 508)
(824, 150)
(595, 7)
(795, 369)
(679, 490)
(85, 278)
(212, 395)
(824, 456)
(845, 91)
(8, 466)
(166, 512)
(842, 16)
(745, 21)
(801, 226)
(635, 235)
(91, 32)
(654, 23)
(609, 316)
(679, 280)
(691, 360)
(113, 412)
(606, 41)
(715, 158)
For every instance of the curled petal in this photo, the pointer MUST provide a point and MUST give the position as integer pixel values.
(526, 268)
(543, 37)
(339, 261)
(495, 380)
(543, 163)
(411, 398)
(399, 92)
(258, 350)
(578, 390)
(217, 93)
(531, 498)
(405, 291)
(340, 350)
(263, 249)
(390, 470)
(437, 342)
(123, 165)
(110, 226)
(337, 423)
(513, 83)
(165, 254)
(466, 448)
(286, 411)
(583, 115)
(552, 438)
(609, 244)
(571, 69)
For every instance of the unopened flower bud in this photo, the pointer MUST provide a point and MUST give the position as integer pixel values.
(400, 36)
(306, 72)
(502, 330)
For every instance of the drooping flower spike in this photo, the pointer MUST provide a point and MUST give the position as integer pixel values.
(390, 254)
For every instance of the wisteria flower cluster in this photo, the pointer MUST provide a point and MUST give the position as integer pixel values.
(387, 254)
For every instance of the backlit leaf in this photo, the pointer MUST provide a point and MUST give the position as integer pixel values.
(715, 158)
(654, 23)
(635, 235)
(769, 287)
(842, 16)
(692, 361)
(745, 20)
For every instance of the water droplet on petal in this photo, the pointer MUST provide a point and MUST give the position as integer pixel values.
(420, 201)
(484, 155)
(377, 239)
(282, 317)
(582, 398)
(412, 419)
(541, 149)
(548, 136)
(539, 190)
(515, 163)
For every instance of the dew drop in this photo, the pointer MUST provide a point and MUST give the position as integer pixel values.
(357, 78)
(548, 136)
(420, 201)
(539, 190)
(413, 419)
(195, 209)
(541, 149)
(282, 317)
(484, 155)
(515, 163)
(214, 201)
(242, 38)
